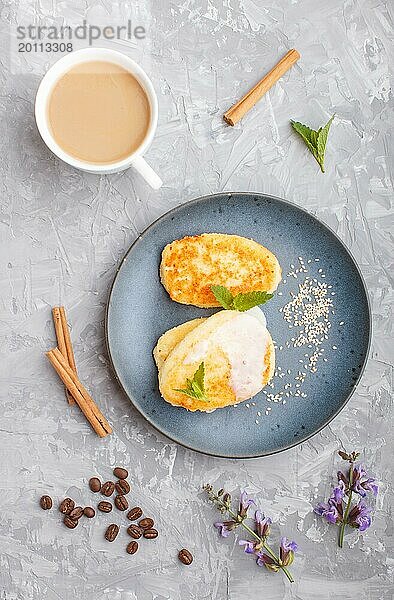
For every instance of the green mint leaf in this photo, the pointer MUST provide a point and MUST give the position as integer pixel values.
(308, 135)
(246, 301)
(322, 142)
(240, 302)
(195, 387)
(199, 375)
(223, 296)
(316, 141)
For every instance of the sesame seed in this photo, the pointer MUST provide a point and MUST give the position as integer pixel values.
(309, 310)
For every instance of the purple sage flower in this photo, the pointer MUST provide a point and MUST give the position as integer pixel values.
(355, 480)
(262, 524)
(328, 511)
(360, 516)
(225, 528)
(370, 485)
(361, 483)
(363, 521)
(342, 477)
(257, 547)
(338, 493)
(264, 560)
(286, 551)
(249, 547)
(359, 473)
(332, 510)
(244, 503)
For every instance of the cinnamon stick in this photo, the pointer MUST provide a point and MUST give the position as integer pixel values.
(239, 110)
(82, 397)
(64, 341)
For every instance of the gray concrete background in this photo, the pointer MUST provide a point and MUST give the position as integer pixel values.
(62, 234)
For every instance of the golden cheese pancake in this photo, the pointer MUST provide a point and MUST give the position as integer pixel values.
(167, 342)
(190, 266)
(238, 355)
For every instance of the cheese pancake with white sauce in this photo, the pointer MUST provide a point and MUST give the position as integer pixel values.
(238, 355)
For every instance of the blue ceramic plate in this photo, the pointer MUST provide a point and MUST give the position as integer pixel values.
(297, 406)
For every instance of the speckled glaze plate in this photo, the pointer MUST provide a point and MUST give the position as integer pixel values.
(297, 406)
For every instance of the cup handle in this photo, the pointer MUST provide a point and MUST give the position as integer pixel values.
(146, 171)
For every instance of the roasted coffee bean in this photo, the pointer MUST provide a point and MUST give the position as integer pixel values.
(185, 556)
(66, 506)
(121, 503)
(122, 487)
(146, 523)
(132, 548)
(150, 534)
(112, 532)
(95, 484)
(134, 514)
(134, 531)
(104, 506)
(46, 502)
(70, 523)
(89, 512)
(108, 488)
(76, 513)
(120, 473)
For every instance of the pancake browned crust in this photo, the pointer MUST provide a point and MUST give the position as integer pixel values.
(191, 265)
(172, 349)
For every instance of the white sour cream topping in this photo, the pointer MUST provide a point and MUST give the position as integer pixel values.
(244, 340)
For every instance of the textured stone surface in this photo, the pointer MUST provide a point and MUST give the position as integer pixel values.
(62, 234)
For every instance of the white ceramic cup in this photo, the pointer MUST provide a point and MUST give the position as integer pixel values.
(63, 65)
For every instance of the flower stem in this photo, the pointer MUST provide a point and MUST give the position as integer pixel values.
(347, 509)
(254, 534)
(344, 520)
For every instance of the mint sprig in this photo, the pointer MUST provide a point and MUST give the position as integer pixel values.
(315, 140)
(195, 387)
(240, 302)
